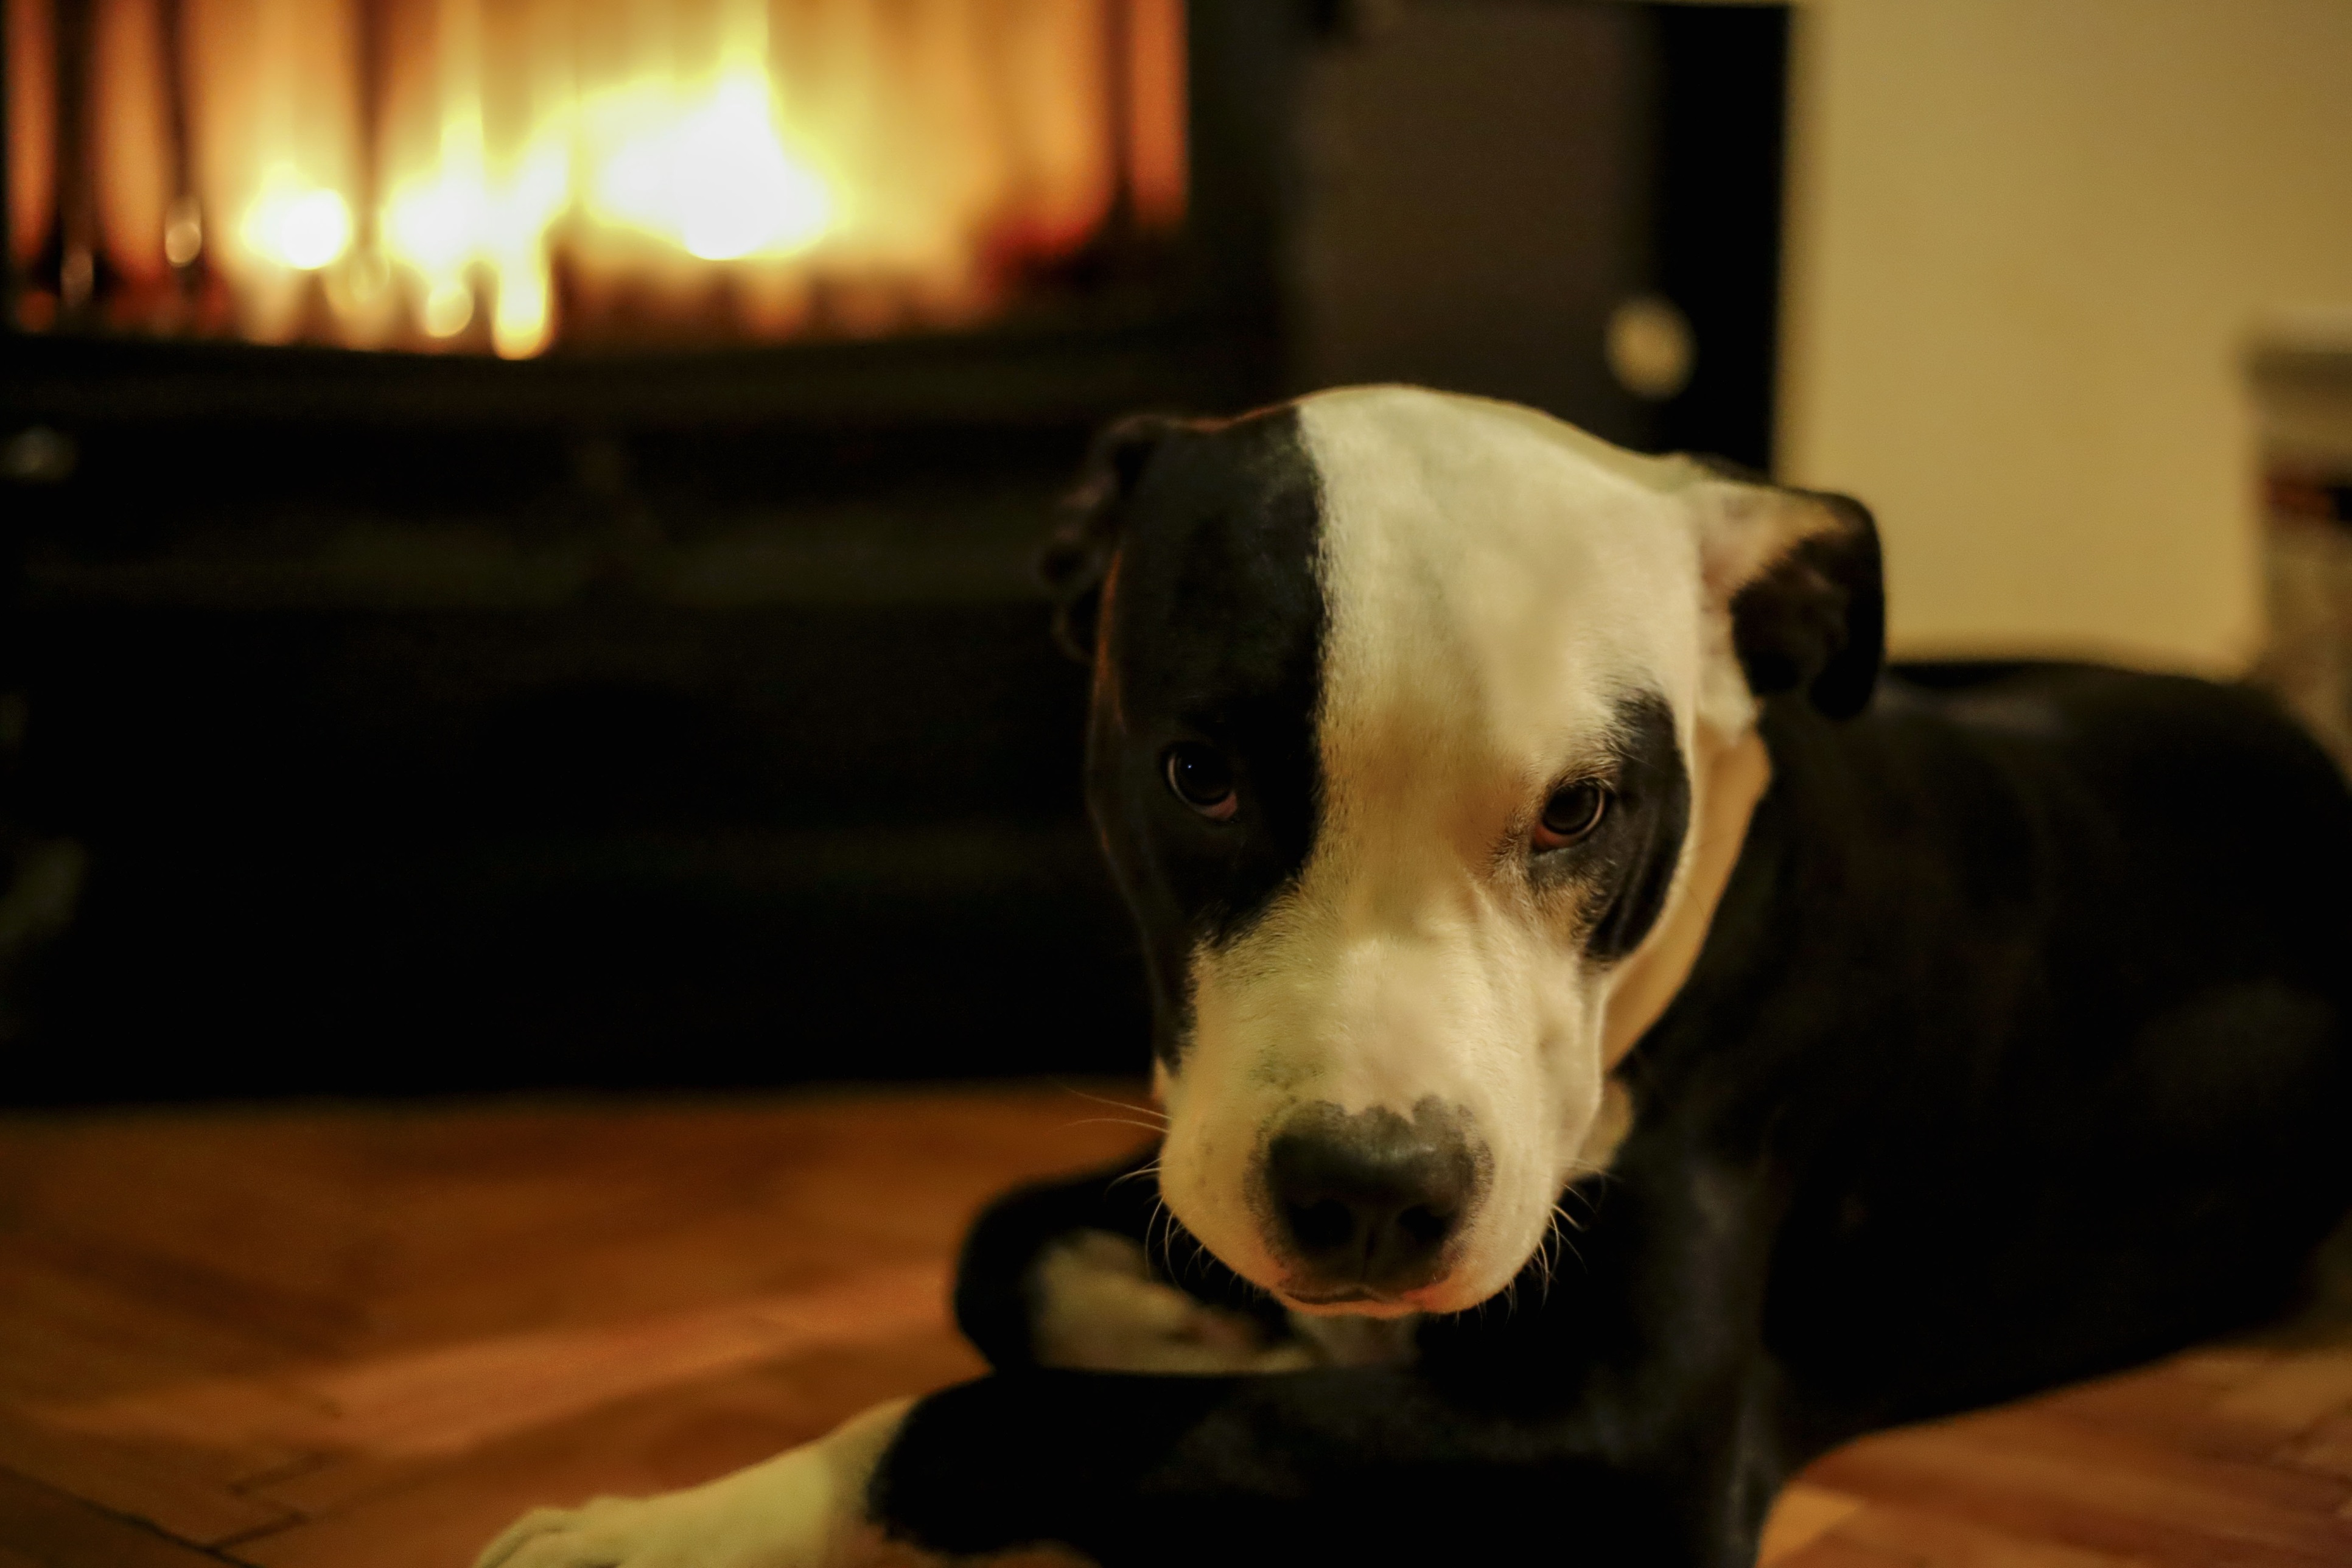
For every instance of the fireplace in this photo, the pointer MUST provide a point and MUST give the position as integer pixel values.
(872, 211)
(458, 631)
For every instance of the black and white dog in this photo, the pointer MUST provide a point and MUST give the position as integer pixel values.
(1613, 1047)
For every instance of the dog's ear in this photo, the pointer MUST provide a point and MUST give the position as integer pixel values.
(1799, 572)
(1077, 559)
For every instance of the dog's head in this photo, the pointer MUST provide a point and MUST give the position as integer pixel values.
(1421, 743)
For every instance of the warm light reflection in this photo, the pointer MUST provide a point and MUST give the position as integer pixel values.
(514, 171)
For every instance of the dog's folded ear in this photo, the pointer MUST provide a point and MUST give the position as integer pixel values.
(1077, 559)
(1800, 573)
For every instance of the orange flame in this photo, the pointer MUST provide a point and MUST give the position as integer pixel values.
(475, 169)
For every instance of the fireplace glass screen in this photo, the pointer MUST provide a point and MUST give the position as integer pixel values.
(505, 176)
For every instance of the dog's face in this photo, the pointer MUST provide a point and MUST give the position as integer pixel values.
(1411, 729)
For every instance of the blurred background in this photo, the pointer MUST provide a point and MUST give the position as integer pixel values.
(515, 515)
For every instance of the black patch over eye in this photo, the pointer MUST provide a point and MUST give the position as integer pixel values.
(1571, 814)
(1201, 779)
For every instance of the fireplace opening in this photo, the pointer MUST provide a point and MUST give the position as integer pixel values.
(514, 176)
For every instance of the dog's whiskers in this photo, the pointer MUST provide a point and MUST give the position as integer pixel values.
(1153, 1127)
(1153, 1111)
(1151, 1170)
(1163, 1221)
(1166, 1224)
(1555, 1243)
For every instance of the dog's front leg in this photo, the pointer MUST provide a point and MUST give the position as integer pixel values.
(805, 1507)
(1370, 1465)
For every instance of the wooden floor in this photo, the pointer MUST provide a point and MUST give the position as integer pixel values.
(331, 1338)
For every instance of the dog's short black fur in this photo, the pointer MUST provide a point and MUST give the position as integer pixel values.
(2016, 1053)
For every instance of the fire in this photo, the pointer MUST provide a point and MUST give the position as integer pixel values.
(713, 178)
(496, 173)
(299, 227)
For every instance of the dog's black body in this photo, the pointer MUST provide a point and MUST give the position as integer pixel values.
(2017, 1052)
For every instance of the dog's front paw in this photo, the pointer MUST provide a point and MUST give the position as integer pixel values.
(1097, 1309)
(612, 1532)
(803, 1509)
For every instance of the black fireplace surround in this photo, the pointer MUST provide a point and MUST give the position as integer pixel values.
(389, 724)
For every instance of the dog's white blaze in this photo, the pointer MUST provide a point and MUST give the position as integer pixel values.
(1497, 582)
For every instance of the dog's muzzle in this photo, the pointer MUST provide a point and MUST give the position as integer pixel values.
(1365, 1208)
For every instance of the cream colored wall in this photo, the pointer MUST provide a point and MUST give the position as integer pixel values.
(2029, 239)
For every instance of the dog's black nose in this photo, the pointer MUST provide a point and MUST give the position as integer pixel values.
(1371, 1200)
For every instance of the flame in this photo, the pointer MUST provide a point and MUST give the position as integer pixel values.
(711, 175)
(708, 173)
(302, 226)
(741, 157)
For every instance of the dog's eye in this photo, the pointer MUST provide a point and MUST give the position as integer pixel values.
(1202, 780)
(1571, 814)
